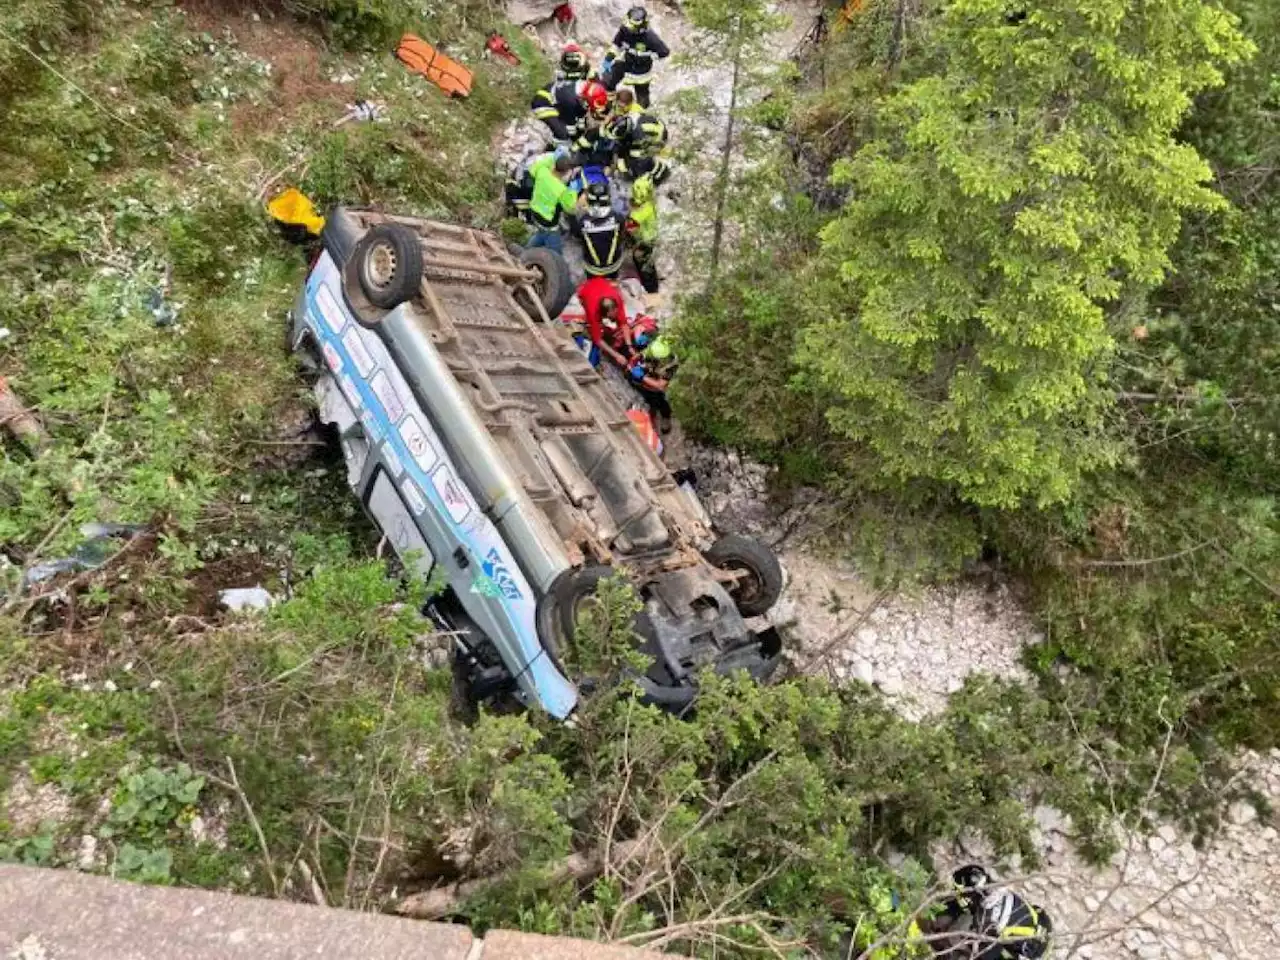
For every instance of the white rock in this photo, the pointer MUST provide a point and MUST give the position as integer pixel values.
(245, 598)
(1156, 844)
(87, 855)
(1049, 818)
(110, 686)
(891, 685)
(1241, 812)
(522, 12)
(1091, 903)
(867, 637)
(862, 670)
(1169, 833)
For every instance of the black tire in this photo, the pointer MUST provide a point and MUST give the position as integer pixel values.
(389, 264)
(571, 592)
(555, 289)
(462, 701)
(761, 584)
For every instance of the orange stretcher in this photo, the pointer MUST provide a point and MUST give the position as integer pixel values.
(421, 57)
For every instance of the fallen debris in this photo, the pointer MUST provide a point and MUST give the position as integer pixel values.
(98, 547)
(498, 46)
(364, 111)
(295, 215)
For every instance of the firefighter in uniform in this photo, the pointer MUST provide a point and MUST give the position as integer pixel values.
(640, 141)
(603, 243)
(574, 64)
(635, 49)
(987, 922)
(565, 105)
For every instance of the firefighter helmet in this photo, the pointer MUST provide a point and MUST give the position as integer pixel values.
(574, 64)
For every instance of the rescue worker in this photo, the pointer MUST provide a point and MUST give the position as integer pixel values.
(990, 922)
(592, 146)
(642, 231)
(631, 56)
(650, 371)
(574, 64)
(604, 315)
(565, 105)
(640, 140)
(518, 189)
(603, 233)
(552, 199)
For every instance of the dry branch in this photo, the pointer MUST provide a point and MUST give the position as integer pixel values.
(443, 901)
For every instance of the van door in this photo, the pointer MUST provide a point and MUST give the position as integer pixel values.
(391, 514)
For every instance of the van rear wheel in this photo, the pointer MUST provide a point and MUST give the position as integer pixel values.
(759, 582)
(555, 284)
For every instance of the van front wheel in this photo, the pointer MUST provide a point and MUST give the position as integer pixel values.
(389, 265)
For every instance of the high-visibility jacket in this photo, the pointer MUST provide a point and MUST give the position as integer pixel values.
(602, 244)
(551, 195)
(561, 107)
(1020, 930)
(638, 51)
(640, 146)
(644, 211)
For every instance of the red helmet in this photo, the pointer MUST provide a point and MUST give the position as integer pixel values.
(595, 96)
(644, 327)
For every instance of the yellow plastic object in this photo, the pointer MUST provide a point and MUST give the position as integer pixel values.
(293, 209)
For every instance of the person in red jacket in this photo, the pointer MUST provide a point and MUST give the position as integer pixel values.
(606, 318)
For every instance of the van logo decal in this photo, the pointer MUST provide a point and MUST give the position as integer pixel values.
(497, 571)
(450, 491)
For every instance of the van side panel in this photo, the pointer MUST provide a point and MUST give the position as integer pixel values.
(468, 547)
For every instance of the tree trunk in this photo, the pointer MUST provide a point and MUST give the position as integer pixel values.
(722, 180)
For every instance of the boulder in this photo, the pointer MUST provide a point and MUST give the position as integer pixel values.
(524, 12)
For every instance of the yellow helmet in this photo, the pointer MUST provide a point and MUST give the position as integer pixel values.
(660, 349)
(642, 190)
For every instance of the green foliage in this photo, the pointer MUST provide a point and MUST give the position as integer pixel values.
(1007, 201)
(149, 801)
(1210, 348)
(36, 851)
(604, 639)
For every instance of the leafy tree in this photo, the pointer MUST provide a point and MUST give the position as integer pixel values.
(1009, 203)
(1206, 363)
